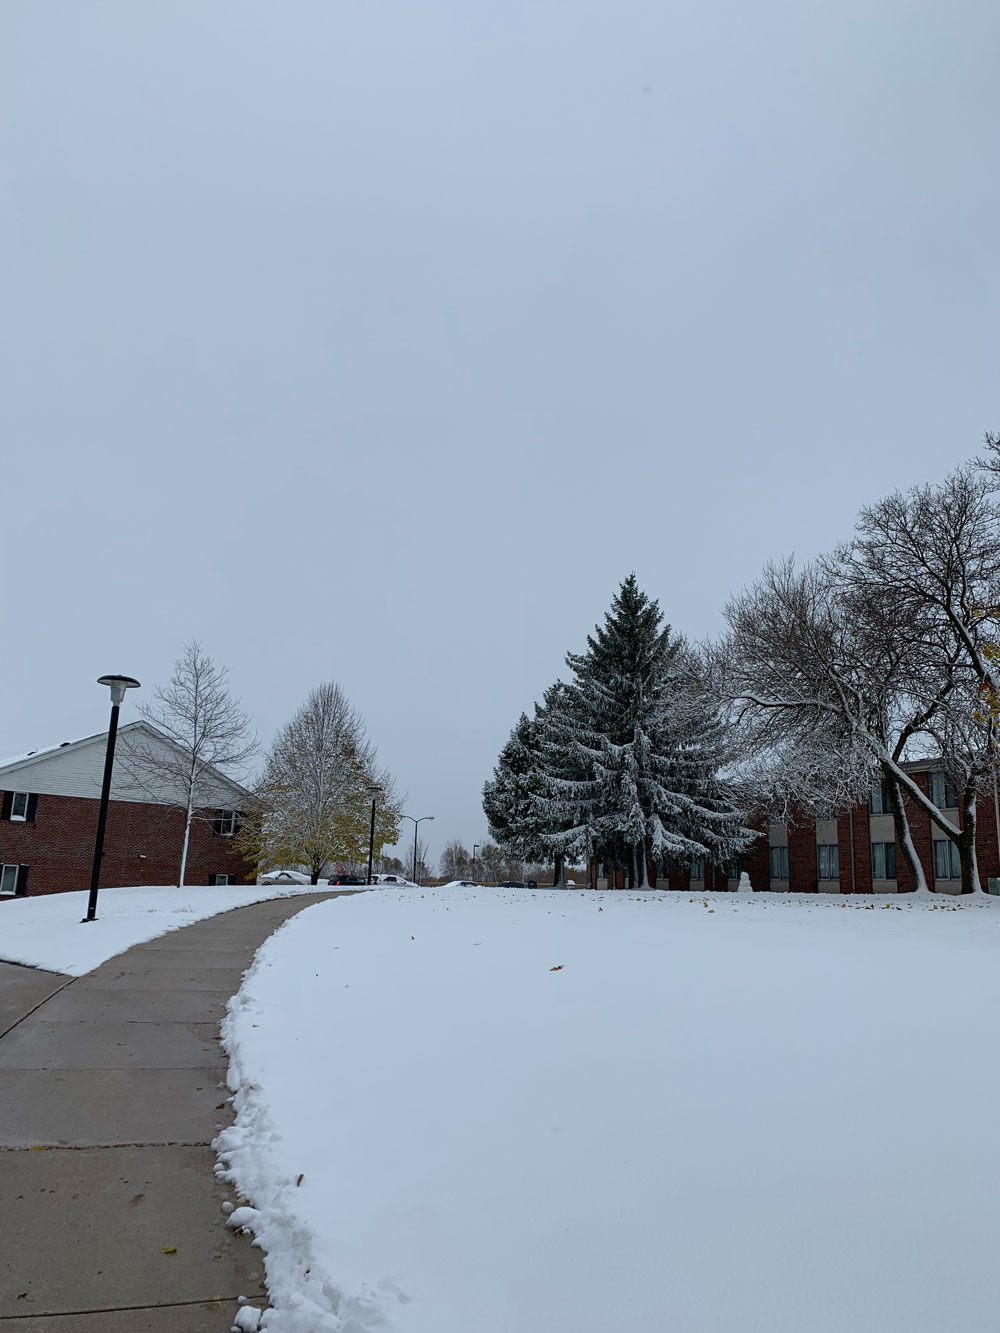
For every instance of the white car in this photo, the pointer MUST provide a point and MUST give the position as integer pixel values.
(398, 880)
(283, 877)
(460, 884)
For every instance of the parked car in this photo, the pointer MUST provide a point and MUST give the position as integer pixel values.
(283, 877)
(512, 884)
(398, 880)
(344, 879)
(460, 884)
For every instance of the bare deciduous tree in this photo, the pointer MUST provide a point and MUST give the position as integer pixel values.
(823, 682)
(455, 859)
(207, 729)
(312, 805)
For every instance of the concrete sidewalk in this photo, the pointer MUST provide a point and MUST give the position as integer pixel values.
(112, 1087)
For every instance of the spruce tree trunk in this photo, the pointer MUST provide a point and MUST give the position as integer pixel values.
(634, 870)
(643, 868)
(557, 872)
(901, 826)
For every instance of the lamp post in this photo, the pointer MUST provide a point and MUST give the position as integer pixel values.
(374, 793)
(415, 823)
(118, 684)
(475, 848)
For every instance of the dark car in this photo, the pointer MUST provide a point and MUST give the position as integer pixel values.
(512, 884)
(344, 879)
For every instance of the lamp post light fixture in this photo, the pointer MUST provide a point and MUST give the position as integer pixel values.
(475, 848)
(415, 823)
(374, 793)
(118, 684)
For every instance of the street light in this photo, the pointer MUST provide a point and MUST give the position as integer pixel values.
(415, 823)
(118, 684)
(475, 848)
(374, 793)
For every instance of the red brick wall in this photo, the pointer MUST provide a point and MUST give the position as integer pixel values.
(803, 871)
(142, 845)
(757, 859)
(987, 851)
(862, 851)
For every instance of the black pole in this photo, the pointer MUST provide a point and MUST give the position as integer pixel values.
(102, 818)
(371, 842)
(415, 823)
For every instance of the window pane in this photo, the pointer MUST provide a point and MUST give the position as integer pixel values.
(890, 860)
(8, 879)
(698, 869)
(829, 861)
(19, 804)
(947, 862)
(878, 860)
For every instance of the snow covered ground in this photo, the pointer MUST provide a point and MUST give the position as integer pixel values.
(46, 931)
(563, 1112)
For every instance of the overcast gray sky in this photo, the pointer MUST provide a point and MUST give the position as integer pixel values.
(378, 340)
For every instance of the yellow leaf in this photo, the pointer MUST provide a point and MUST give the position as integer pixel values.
(168, 1249)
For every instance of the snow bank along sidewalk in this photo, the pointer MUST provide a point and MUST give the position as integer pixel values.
(553, 1111)
(118, 1225)
(46, 931)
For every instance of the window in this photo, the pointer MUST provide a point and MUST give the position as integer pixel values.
(829, 860)
(878, 801)
(734, 869)
(13, 879)
(946, 862)
(943, 792)
(222, 879)
(19, 806)
(779, 862)
(883, 860)
(698, 868)
(225, 822)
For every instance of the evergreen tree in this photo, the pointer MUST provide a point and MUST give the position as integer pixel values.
(509, 796)
(632, 746)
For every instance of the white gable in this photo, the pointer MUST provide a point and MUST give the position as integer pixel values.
(77, 769)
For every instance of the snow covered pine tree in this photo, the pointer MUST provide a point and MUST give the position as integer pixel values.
(640, 723)
(507, 796)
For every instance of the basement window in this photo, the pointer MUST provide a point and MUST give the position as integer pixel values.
(221, 879)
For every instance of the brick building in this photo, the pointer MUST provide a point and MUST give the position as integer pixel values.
(855, 852)
(48, 821)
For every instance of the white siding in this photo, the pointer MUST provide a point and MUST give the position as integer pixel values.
(78, 769)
